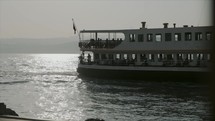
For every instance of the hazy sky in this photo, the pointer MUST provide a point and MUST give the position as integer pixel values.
(53, 18)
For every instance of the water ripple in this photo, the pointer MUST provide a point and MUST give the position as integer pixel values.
(13, 82)
(48, 87)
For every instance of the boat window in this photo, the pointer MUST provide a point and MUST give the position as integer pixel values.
(183, 56)
(117, 56)
(208, 36)
(132, 37)
(125, 56)
(104, 56)
(142, 57)
(198, 36)
(87, 36)
(151, 57)
(96, 56)
(110, 56)
(177, 36)
(134, 56)
(169, 57)
(208, 57)
(158, 37)
(101, 36)
(200, 56)
(140, 37)
(191, 57)
(160, 57)
(168, 37)
(109, 36)
(179, 56)
(149, 37)
(188, 36)
(104, 36)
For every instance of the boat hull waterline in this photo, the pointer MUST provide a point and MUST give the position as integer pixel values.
(144, 73)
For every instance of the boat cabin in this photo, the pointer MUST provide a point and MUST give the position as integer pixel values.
(168, 46)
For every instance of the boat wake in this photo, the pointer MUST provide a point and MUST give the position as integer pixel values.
(74, 73)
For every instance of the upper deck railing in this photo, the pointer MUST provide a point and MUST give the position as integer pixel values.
(100, 39)
(108, 44)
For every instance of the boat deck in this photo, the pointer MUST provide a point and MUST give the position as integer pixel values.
(146, 68)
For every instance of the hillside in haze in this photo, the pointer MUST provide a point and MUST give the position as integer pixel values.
(49, 45)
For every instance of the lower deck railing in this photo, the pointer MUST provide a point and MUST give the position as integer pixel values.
(166, 63)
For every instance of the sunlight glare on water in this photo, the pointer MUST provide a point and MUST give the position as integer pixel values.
(56, 62)
(56, 87)
(47, 86)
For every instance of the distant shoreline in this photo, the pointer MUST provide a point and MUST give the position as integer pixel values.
(45, 45)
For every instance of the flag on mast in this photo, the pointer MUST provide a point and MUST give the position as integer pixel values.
(76, 30)
(74, 27)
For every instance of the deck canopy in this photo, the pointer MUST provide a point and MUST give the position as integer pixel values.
(87, 35)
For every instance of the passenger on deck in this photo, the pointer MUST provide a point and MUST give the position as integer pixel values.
(89, 58)
(81, 58)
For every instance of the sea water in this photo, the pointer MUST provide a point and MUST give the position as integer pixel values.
(47, 86)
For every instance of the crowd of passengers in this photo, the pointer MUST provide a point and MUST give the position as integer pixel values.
(145, 62)
(99, 43)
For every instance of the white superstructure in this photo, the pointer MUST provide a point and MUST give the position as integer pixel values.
(186, 46)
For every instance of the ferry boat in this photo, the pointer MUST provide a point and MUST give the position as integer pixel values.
(146, 53)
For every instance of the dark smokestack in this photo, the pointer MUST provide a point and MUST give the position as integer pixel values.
(165, 25)
(174, 25)
(143, 24)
